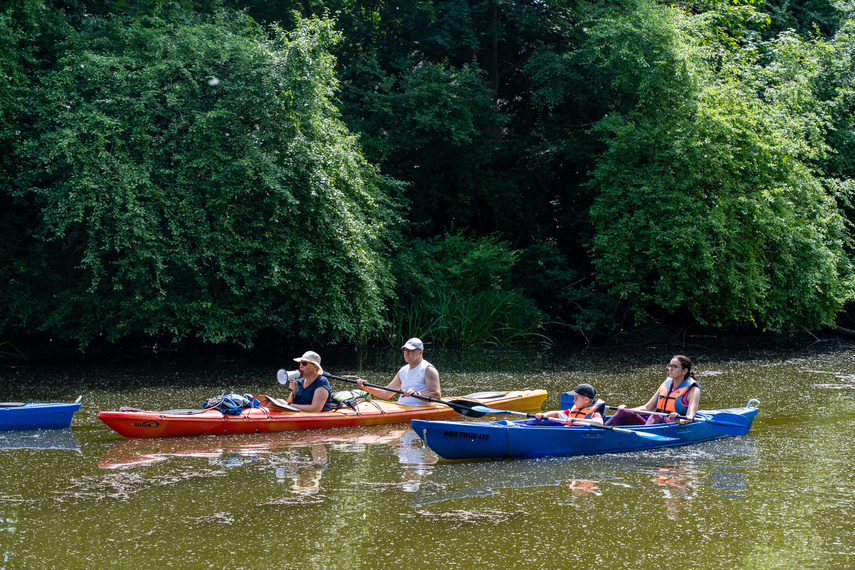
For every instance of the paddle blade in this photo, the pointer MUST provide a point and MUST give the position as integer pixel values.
(654, 436)
(641, 434)
(468, 408)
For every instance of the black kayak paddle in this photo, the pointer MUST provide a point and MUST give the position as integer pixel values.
(463, 407)
(723, 422)
(650, 436)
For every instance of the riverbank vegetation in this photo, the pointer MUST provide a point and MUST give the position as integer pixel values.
(469, 171)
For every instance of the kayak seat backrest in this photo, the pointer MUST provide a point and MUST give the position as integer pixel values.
(485, 395)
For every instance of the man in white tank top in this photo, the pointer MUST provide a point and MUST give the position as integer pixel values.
(418, 378)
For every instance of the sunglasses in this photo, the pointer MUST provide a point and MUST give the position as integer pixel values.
(304, 363)
(673, 366)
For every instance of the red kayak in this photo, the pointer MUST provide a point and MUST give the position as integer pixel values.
(274, 415)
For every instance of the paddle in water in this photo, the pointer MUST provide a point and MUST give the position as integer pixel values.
(463, 407)
(723, 422)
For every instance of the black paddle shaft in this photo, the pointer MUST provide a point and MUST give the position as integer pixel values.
(723, 422)
(462, 407)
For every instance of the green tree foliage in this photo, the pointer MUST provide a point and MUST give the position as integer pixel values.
(436, 92)
(440, 142)
(643, 159)
(458, 291)
(706, 197)
(191, 178)
(834, 87)
(805, 17)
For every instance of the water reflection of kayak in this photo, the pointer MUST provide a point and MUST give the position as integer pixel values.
(272, 416)
(533, 438)
(719, 466)
(131, 452)
(62, 438)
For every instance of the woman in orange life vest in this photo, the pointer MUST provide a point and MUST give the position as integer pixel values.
(585, 406)
(678, 395)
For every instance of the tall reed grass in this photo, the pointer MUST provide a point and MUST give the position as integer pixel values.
(10, 354)
(490, 317)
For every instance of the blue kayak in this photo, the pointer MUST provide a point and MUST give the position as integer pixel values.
(37, 415)
(536, 438)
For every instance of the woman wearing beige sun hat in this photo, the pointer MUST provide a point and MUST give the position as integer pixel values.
(311, 392)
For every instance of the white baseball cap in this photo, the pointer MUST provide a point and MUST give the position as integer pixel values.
(414, 344)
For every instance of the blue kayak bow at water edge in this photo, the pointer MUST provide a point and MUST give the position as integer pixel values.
(15, 415)
(538, 438)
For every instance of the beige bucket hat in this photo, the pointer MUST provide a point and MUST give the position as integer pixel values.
(313, 357)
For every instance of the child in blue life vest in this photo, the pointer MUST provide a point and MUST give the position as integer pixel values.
(586, 407)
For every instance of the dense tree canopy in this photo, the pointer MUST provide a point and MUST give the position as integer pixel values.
(190, 178)
(727, 214)
(220, 167)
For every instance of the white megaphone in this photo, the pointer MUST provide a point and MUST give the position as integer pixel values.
(285, 376)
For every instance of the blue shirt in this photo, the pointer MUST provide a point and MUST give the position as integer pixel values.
(305, 396)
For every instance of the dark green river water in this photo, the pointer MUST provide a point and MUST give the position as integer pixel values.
(374, 497)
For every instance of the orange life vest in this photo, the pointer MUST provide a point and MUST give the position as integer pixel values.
(598, 407)
(674, 401)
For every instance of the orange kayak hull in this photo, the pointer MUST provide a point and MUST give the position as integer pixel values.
(140, 423)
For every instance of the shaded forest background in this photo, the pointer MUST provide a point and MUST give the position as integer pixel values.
(471, 172)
